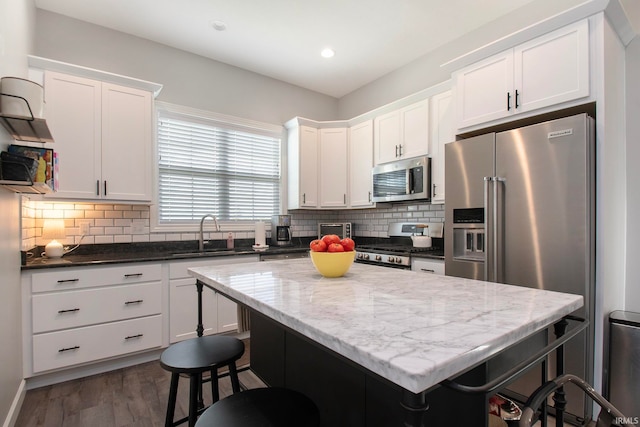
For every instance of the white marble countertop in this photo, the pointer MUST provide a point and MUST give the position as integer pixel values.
(412, 328)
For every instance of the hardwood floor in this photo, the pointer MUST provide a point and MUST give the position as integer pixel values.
(134, 396)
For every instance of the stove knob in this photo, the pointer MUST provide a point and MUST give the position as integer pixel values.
(358, 255)
(378, 258)
(390, 259)
(366, 257)
(397, 260)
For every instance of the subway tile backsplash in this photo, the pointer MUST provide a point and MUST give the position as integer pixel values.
(122, 223)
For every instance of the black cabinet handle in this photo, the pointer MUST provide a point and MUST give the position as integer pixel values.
(428, 270)
(138, 301)
(62, 350)
(517, 95)
(68, 280)
(508, 101)
(105, 187)
(133, 275)
(130, 337)
(97, 187)
(71, 310)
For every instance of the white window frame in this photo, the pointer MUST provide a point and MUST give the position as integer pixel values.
(222, 120)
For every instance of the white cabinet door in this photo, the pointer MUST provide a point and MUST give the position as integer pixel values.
(484, 90)
(553, 68)
(442, 132)
(545, 71)
(402, 133)
(74, 118)
(360, 164)
(126, 143)
(333, 168)
(183, 315)
(103, 136)
(387, 137)
(303, 167)
(227, 311)
(415, 130)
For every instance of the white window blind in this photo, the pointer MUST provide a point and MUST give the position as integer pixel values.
(213, 169)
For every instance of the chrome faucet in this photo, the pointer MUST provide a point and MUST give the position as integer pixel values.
(201, 241)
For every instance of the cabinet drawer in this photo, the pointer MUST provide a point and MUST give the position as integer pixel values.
(76, 278)
(428, 266)
(71, 309)
(66, 348)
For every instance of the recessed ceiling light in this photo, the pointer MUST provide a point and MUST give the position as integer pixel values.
(219, 25)
(327, 52)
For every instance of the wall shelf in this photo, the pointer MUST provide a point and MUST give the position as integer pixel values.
(25, 128)
(26, 187)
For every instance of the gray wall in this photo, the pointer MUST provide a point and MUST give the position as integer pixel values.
(188, 79)
(16, 26)
(632, 297)
(427, 71)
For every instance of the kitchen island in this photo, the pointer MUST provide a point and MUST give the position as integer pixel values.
(407, 330)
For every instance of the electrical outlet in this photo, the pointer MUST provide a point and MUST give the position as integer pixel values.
(84, 227)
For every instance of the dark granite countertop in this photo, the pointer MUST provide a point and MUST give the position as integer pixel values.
(119, 253)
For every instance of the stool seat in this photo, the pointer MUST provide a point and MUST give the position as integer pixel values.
(262, 407)
(201, 354)
(194, 357)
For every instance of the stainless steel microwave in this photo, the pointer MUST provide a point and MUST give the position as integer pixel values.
(408, 179)
(342, 229)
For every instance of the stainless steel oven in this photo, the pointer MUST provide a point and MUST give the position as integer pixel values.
(341, 229)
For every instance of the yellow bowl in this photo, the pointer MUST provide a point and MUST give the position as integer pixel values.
(332, 264)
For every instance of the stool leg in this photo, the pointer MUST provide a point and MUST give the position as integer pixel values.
(193, 398)
(171, 405)
(233, 374)
(214, 385)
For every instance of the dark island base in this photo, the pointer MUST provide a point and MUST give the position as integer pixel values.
(347, 394)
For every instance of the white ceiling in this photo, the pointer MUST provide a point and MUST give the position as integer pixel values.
(283, 38)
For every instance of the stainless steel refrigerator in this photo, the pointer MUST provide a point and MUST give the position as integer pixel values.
(520, 209)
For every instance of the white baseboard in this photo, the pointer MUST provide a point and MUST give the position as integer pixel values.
(14, 411)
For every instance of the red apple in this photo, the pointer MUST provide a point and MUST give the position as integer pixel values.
(330, 238)
(335, 247)
(318, 246)
(348, 244)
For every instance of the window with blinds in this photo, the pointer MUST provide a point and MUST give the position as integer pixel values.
(208, 168)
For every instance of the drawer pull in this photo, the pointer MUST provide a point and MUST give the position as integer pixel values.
(133, 275)
(428, 270)
(130, 337)
(62, 350)
(71, 310)
(138, 301)
(68, 280)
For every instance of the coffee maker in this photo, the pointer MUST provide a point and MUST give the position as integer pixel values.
(281, 230)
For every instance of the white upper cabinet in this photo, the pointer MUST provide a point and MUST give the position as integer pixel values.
(402, 133)
(360, 165)
(333, 172)
(302, 152)
(548, 70)
(442, 132)
(103, 138)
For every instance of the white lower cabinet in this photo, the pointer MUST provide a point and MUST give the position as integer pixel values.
(81, 345)
(431, 266)
(219, 314)
(86, 314)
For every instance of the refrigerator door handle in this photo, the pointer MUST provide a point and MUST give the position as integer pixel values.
(498, 218)
(488, 248)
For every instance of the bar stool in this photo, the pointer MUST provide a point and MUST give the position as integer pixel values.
(194, 357)
(262, 407)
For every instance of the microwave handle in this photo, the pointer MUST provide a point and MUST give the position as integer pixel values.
(410, 184)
